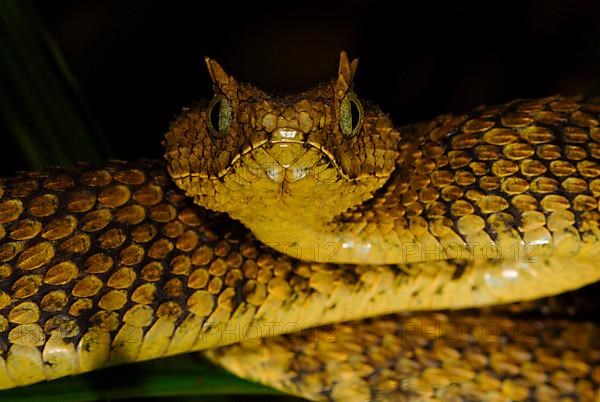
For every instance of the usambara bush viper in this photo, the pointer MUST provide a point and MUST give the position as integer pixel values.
(130, 261)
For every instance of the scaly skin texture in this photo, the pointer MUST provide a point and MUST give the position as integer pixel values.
(111, 264)
(443, 357)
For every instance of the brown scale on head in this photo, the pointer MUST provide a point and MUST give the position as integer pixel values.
(302, 159)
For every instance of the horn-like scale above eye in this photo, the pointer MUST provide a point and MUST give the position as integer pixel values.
(220, 116)
(351, 115)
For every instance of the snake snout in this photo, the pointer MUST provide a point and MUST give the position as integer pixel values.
(286, 134)
(285, 156)
(290, 161)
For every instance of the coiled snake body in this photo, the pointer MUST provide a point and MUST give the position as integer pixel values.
(349, 219)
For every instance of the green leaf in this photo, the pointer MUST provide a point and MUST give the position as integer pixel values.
(40, 102)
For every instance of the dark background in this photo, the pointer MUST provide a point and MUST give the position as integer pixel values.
(138, 62)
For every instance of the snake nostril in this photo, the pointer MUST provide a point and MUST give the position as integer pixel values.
(287, 134)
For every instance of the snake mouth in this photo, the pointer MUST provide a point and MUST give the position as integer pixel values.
(283, 165)
(286, 158)
(285, 147)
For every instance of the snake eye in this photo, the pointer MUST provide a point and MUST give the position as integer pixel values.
(351, 115)
(219, 116)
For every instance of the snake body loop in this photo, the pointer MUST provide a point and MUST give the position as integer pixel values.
(348, 232)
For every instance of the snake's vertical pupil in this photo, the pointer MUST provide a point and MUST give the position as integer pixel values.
(356, 114)
(220, 116)
(351, 115)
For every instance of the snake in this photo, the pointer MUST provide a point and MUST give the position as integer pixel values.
(305, 242)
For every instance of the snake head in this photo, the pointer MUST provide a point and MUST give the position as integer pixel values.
(320, 151)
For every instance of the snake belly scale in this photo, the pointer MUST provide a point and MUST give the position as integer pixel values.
(346, 233)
